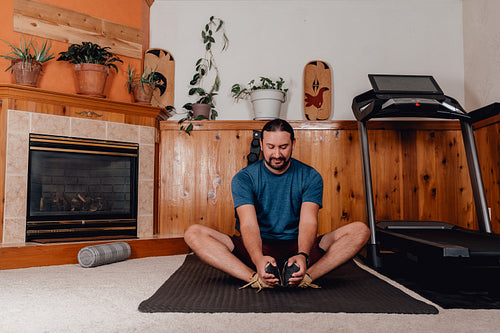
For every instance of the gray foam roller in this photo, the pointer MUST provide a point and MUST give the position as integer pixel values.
(97, 255)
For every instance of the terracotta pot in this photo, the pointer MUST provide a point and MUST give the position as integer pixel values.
(201, 110)
(142, 94)
(26, 73)
(91, 79)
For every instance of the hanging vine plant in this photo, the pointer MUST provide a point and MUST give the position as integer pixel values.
(203, 67)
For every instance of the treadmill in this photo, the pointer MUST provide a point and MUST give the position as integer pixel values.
(396, 96)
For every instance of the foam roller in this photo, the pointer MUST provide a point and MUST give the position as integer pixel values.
(97, 255)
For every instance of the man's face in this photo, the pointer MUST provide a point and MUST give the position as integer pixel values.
(277, 149)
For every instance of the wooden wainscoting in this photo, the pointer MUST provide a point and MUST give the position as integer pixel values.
(487, 134)
(419, 171)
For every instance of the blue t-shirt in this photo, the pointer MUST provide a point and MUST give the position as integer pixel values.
(277, 198)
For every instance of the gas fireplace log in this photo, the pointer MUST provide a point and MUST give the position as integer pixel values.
(79, 203)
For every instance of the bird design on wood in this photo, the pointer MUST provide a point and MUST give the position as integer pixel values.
(317, 100)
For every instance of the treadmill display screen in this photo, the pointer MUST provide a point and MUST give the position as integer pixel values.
(404, 84)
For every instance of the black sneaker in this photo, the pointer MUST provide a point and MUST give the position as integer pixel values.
(288, 272)
(270, 269)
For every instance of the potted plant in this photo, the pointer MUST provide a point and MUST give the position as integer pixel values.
(27, 59)
(92, 64)
(204, 107)
(141, 86)
(266, 96)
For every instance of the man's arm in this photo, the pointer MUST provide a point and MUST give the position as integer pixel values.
(308, 230)
(250, 232)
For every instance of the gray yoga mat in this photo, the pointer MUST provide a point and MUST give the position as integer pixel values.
(197, 287)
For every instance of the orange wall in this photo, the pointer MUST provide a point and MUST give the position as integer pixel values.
(58, 75)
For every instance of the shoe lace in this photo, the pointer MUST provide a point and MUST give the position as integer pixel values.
(307, 282)
(256, 282)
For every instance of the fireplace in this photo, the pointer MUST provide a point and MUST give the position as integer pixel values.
(81, 189)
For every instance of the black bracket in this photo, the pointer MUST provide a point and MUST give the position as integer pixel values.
(254, 148)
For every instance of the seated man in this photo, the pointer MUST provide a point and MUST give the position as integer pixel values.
(277, 200)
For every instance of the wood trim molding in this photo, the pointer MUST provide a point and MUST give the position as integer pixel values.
(221, 125)
(69, 26)
(16, 92)
(487, 122)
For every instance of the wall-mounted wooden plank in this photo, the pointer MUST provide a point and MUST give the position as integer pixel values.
(57, 23)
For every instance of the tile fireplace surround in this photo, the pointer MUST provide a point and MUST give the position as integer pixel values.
(21, 123)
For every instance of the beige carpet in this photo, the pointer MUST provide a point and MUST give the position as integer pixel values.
(70, 298)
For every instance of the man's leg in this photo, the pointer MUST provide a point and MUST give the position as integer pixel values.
(340, 245)
(215, 248)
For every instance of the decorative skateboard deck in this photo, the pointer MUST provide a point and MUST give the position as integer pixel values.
(317, 90)
(163, 63)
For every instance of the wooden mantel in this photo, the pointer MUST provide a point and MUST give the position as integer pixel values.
(16, 97)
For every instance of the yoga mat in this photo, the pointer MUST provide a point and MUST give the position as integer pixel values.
(198, 287)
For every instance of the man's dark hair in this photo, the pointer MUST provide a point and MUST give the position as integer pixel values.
(277, 125)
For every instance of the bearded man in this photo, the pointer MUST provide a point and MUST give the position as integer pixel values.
(277, 201)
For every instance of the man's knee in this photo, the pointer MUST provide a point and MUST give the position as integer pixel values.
(192, 233)
(361, 230)
(198, 235)
(357, 232)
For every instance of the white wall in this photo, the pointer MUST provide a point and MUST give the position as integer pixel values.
(277, 38)
(482, 52)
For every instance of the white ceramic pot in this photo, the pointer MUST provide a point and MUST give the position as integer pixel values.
(267, 103)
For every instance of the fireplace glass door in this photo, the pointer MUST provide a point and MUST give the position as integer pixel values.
(81, 189)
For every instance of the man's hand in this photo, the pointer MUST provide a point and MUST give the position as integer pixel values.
(267, 278)
(300, 260)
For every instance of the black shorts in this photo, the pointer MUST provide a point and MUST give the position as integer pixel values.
(280, 250)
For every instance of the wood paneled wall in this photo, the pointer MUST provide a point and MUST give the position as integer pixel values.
(488, 145)
(419, 171)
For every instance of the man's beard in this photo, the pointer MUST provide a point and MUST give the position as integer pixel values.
(279, 167)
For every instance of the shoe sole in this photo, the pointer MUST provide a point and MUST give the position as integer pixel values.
(288, 273)
(270, 269)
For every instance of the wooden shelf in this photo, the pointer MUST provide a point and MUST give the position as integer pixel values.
(43, 101)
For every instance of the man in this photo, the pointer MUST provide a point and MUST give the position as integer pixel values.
(277, 200)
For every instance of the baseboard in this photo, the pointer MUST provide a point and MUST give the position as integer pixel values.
(34, 255)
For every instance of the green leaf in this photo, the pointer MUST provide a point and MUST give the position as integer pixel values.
(189, 129)
(221, 23)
